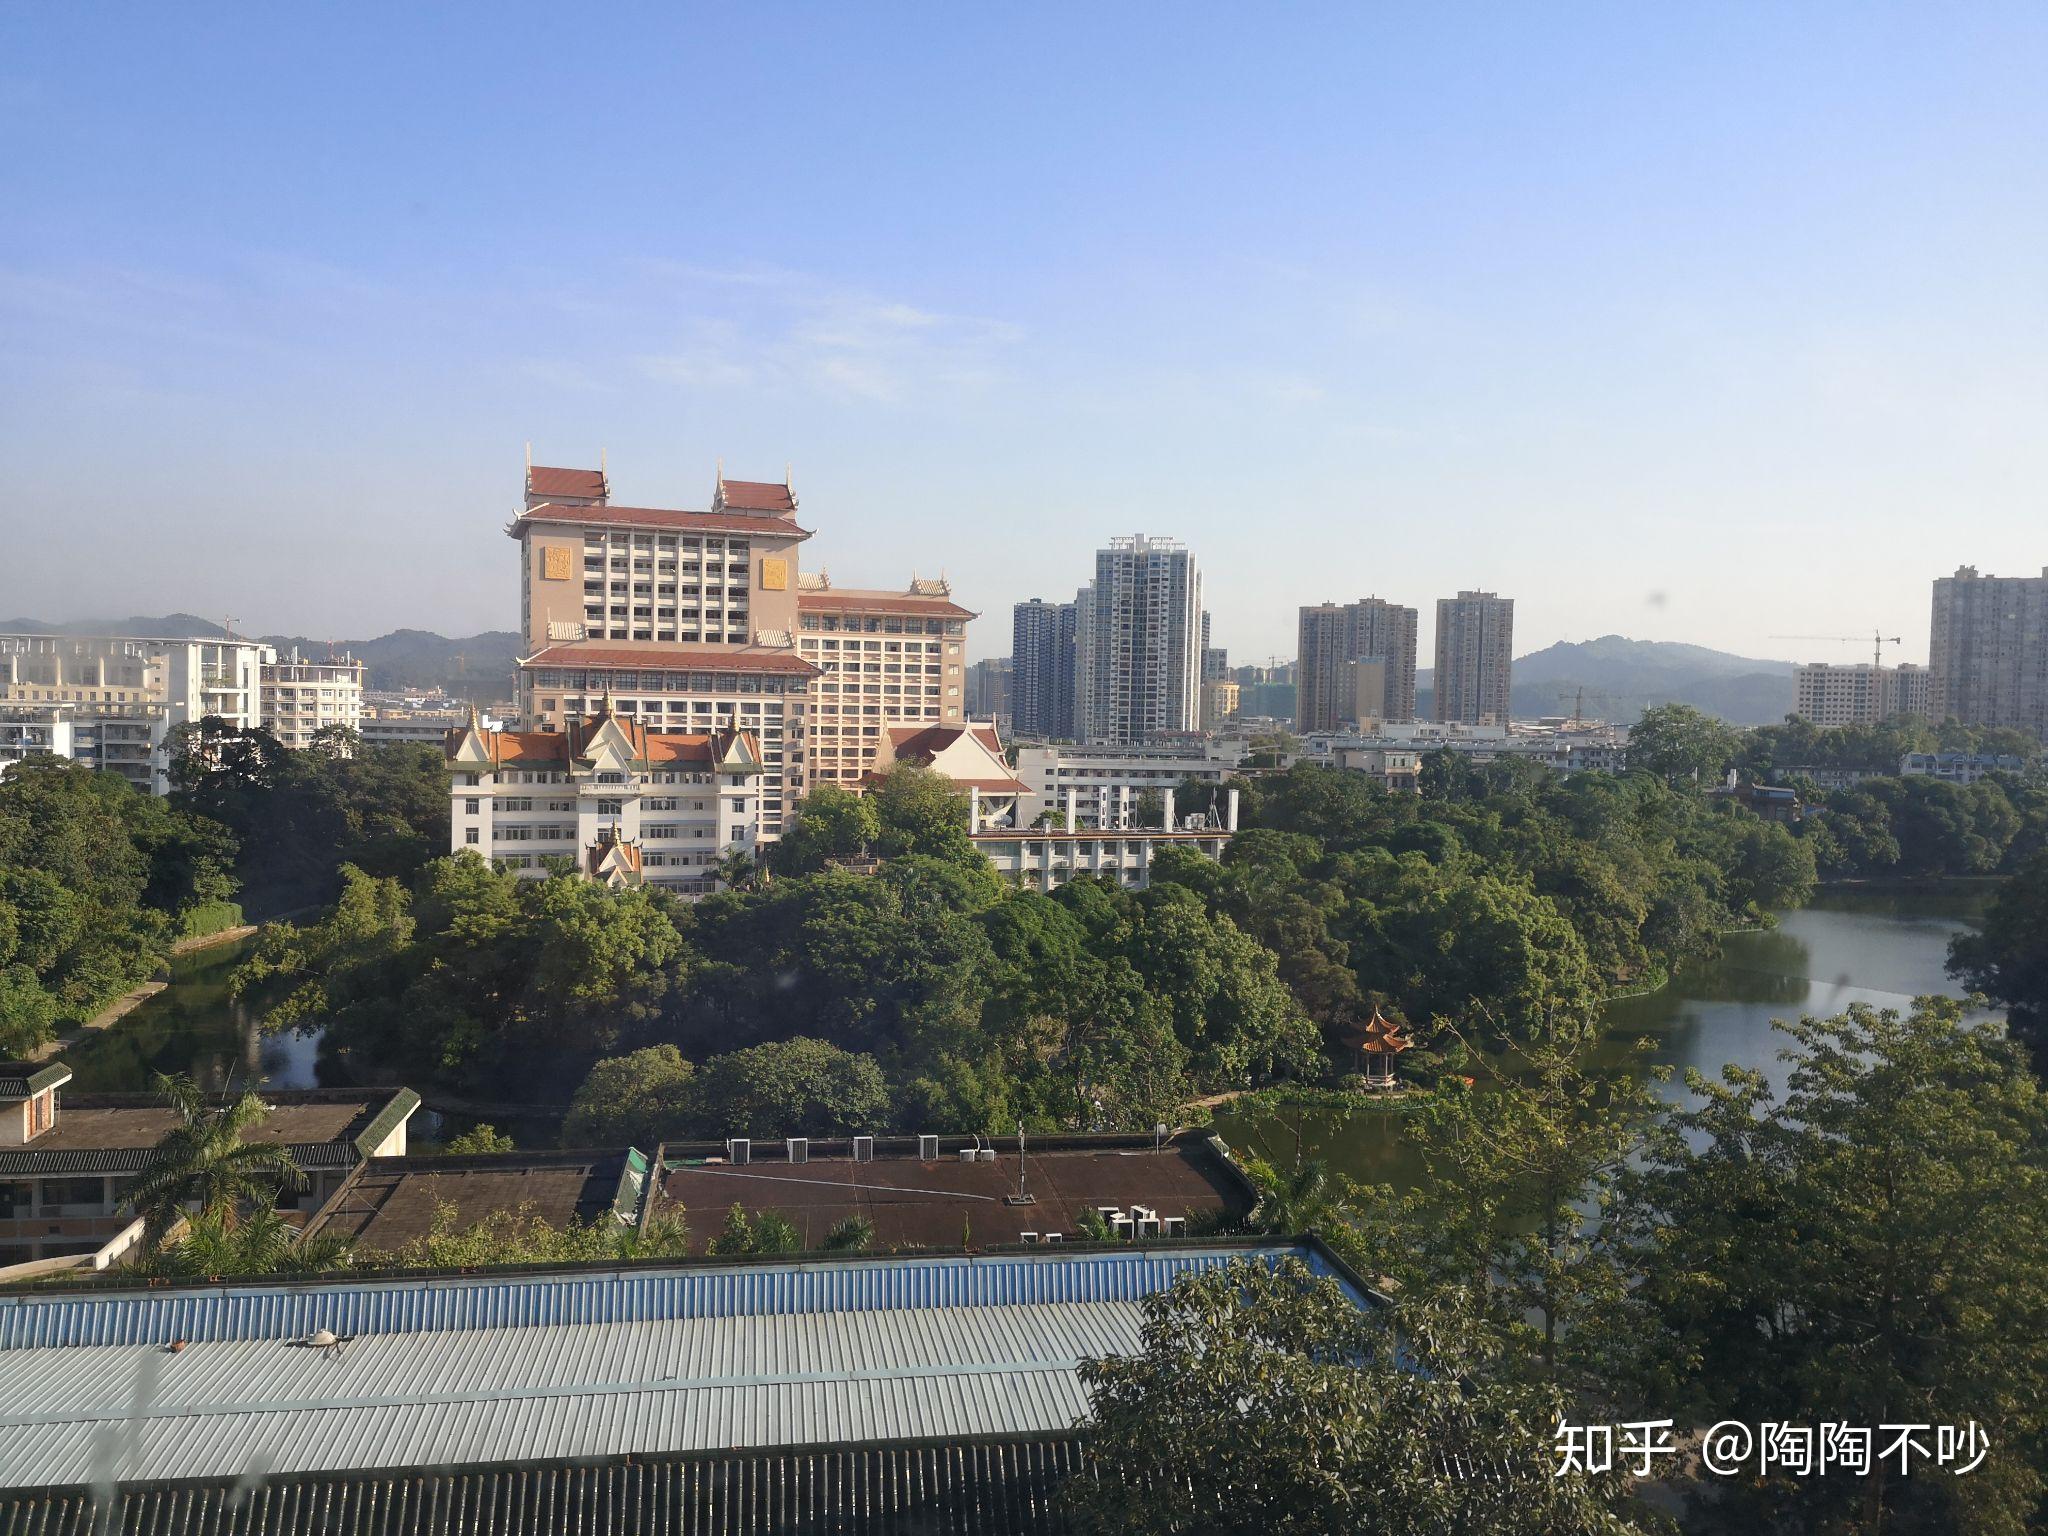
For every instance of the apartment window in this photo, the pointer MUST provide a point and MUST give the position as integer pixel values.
(471, 806)
(469, 835)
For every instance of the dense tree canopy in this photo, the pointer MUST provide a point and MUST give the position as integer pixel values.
(96, 881)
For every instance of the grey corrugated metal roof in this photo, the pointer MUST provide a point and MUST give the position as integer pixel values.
(579, 1364)
(1000, 1486)
(391, 1400)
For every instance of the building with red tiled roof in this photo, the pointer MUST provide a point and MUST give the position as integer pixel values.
(686, 618)
(609, 797)
(884, 656)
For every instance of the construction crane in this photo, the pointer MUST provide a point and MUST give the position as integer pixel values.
(1878, 638)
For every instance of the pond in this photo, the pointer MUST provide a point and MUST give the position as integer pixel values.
(1882, 948)
(192, 1027)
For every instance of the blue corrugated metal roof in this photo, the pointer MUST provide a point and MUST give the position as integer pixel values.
(564, 1365)
(590, 1296)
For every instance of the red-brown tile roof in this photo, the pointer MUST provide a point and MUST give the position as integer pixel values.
(508, 747)
(673, 659)
(853, 600)
(922, 743)
(662, 517)
(755, 496)
(543, 481)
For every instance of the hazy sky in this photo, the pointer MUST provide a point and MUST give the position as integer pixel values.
(1707, 324)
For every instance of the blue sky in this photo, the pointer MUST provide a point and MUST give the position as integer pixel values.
(1699, 323)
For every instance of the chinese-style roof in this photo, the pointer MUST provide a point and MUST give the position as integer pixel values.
(713, 749)
(672, 658)
(586, 483)
(1380, 1035)
(970, 755)
(661, 517)
(856, 600)
(755, 496)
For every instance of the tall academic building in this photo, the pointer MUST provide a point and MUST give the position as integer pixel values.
(883, 658)
(1989, 653)
(1475, 658)
(1138, 643)
(1042, 670)
(1332, 687)
(684, 620)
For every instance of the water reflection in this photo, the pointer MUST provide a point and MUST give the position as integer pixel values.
(191, 1026)
(1881, 949)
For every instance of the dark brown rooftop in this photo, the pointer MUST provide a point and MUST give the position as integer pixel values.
(107, 1132)
(916, 1204)
(394, 1200)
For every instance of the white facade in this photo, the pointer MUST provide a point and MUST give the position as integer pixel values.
(627, 805)
(882, 658)
(1831, 695)
(1107, 779)
(301, 698)
(110, 701)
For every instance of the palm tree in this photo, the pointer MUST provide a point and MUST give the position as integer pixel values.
(203, 1161)
(737, 871)
(1311, 1199)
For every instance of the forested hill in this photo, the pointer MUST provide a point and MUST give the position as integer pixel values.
(1623, 677)
(478, 665)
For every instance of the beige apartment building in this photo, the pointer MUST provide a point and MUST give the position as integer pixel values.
(883, 658)
(1336, 637)
(1475, 658)
(302, 698)
(685, 620)
(1989, 658)
(1831, 695)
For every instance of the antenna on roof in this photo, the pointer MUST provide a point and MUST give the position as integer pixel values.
(603, 463)
(529, 456)
(788, 475)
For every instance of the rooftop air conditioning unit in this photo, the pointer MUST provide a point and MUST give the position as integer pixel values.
(967, 1154)
(799, 1148)
(928, 1149)
(987, 1154)
(739, 1150)
(863, 1149)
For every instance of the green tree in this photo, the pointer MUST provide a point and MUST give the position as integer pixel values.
(203, 1162)
(482, 1137)
(793, 1087)
(831, 823)
(2008, 957)
(1871, 1248)
(1264, 1400)
(1679, 743)
(641, 1099)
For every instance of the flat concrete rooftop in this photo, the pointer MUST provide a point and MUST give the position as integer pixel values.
(945, 1202)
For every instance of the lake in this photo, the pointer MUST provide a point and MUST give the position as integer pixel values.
(192, 1027)
(1878, 947)
(1849, 946)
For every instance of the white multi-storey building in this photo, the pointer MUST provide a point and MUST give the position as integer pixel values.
(111, 700)
(627, 805)
(1046, 859)
(1107, 779)
(302, 698)
(1138, 643)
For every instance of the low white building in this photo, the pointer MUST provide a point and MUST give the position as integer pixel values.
(1047, 858)
(1109, 779)
(110, 701)
(627, 805)
(302, 698)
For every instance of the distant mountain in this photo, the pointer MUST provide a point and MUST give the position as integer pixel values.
(478, 666)
(1623, 677)
(169, 626)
